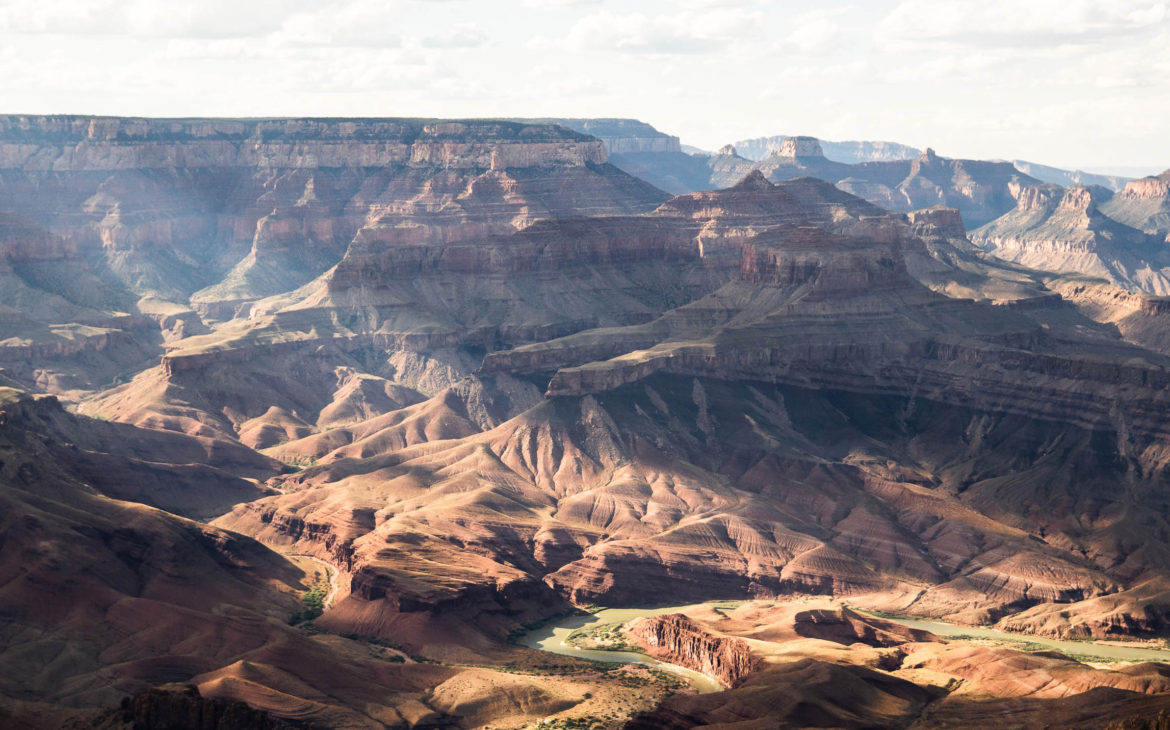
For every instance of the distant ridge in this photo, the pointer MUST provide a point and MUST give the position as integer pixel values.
(849, 152)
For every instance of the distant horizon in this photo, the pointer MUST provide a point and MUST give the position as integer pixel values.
(1085, 81)
(1116, 170)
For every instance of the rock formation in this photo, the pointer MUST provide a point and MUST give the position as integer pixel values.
(806, 268)
(620, 136)
(903, 180)
(1072, 178)
(208, 215)
(1063, 230)
(183, 707)
(476, 374)
(676, 639)
(851, 152)
(918, 681)
(1143, 204)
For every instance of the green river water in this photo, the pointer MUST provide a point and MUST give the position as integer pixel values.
(553, 638)
(1092, 650)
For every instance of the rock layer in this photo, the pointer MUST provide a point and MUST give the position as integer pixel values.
(676, 639)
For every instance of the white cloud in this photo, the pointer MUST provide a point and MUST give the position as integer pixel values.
(462, 35)
(357, 23)
(812, 32)
(1038, 80)
(1037, 23)
(686, 32)
(559, 3)
(146, 18)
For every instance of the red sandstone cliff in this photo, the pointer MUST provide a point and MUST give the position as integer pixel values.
(676, 639)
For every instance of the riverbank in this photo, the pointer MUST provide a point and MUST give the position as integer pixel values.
(1085, 650)
(554, 638)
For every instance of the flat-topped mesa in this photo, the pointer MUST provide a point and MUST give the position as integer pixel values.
(112, 143)
(1143, 204)
(799, 147)
(1152, 187)
(938, 220)
(231, 210)
(833, 265)
(621, 136)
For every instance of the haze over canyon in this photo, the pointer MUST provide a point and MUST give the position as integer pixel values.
(316, 422)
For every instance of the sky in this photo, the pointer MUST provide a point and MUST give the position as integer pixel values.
(1074, 83)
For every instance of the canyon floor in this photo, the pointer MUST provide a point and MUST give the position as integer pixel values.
(323, 417)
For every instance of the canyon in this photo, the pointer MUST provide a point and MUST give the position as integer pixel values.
(490, 376)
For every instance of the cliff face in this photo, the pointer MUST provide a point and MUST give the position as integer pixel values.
(1065, 230)
(79, 144)
(516, 386)
(620, 136)
(849, 152)
(202, 217)
(1144, 204)
(1072, 178)
(813, 308)
(676, 639)
(980, 190)
(173, 206)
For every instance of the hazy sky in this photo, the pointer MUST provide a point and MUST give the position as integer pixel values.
(1068, 82)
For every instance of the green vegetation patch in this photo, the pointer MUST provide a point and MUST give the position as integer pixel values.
(603, 637)
(312, 604)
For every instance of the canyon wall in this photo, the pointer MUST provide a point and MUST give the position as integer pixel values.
(676, 639)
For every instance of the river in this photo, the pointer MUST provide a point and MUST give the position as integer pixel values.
(553, 637)
(1091, 649)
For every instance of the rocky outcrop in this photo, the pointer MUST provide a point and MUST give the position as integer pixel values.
(813, 256)
(676, 639)
(212, 215)
(980, 190)
(620, 136)
(75, 144)
(1063, 230)
(182, 707)
(1070, 177)
(843, 626)
(23, 240)
(1143, 204)
(938, 221)
(850, 152)
(246, 208)
(798, 147)
(544, 247)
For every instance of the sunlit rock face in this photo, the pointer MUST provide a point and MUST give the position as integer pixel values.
(474, 374)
